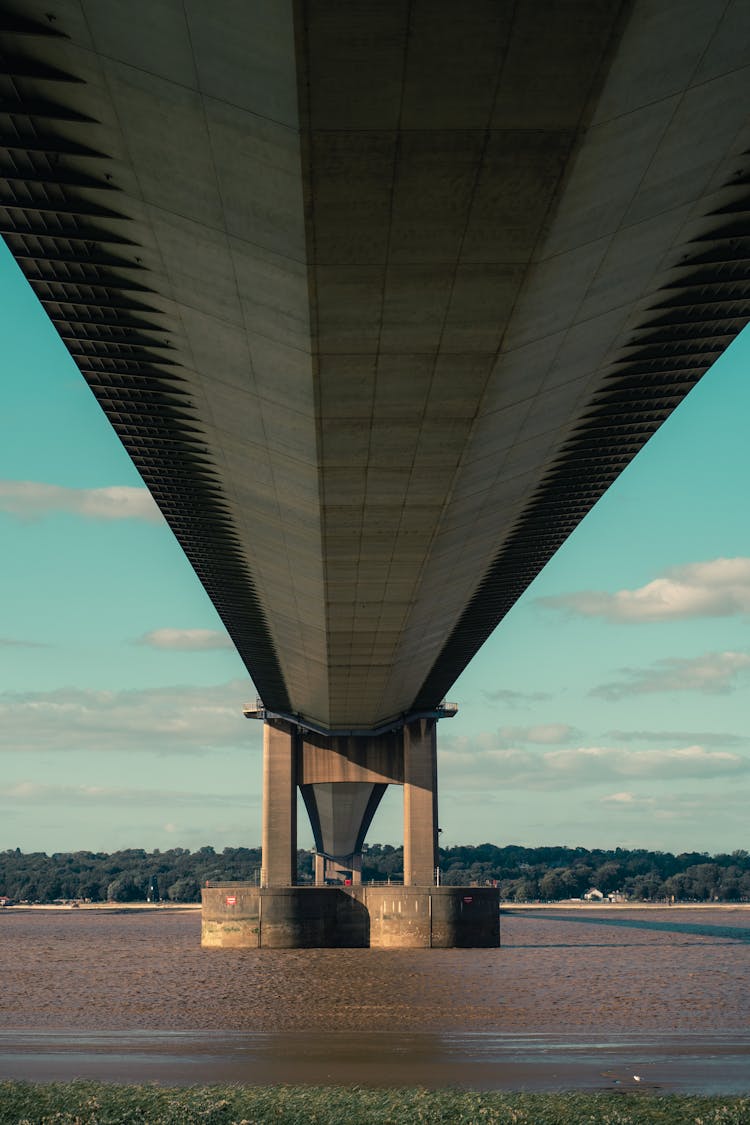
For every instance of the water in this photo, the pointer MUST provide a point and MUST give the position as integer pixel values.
(584, 999)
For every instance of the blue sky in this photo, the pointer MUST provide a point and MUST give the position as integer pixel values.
(610, 707)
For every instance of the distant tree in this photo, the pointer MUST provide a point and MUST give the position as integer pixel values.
(608, 877)
(647, 888)
(526, 890)
(730, 890)
(520, 873)
(678, 887)
(184, 890)
(123, 889)
(553, 887)
(89, 887)
(580, 880)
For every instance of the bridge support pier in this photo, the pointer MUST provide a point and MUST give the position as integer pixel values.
(342, 779)
(420, 803)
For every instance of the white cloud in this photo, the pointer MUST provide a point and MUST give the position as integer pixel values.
(541, 734)
(501, 768)
(629, 802)
(690, 808)
(508, 740)
(704, 737)
(32, 499)
(159, 720)
(15, 642)
(84, 796)
(717, 588)
(186, 640)
(713, 673)
(515, 698)
(601, 763)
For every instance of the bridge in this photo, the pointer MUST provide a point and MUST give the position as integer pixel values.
(380, 297)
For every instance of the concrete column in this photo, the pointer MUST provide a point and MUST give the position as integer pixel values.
(357, 870)
(279, 862)
(320, 870)
(420, 802)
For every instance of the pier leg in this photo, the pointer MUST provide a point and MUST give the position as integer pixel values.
(420, 802)
(279, 843)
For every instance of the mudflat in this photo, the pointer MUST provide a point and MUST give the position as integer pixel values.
(584, 999)
(598, 971)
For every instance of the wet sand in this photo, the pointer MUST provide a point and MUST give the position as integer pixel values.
(572, 997)
(478, 1060)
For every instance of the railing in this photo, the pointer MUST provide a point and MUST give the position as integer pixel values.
(258, 710)
(230, 884)
(218, 884)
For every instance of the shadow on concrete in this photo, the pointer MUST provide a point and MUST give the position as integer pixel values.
(352, 925)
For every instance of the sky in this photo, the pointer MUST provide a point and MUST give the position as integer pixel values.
(609, 708)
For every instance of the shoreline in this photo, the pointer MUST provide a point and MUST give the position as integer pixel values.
(102, 907)
(575, 904)
(506, 907)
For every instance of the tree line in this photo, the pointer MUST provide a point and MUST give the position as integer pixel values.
(547, 874)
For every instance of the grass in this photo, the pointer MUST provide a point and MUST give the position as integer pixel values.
(94, 1103)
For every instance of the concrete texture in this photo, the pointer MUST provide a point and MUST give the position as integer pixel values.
(342, 781)
(409, 260)
(377, 759)
(433, 917)
(420, 802)
(341, 813)
(236, 916)
(279, 822)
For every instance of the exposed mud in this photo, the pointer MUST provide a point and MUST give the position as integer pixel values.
(557, 971)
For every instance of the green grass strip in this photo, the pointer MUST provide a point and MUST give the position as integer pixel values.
(95, 1103)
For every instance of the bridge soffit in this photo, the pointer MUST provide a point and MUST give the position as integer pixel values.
(382, 315)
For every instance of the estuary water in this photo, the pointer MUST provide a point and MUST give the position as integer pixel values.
(591, 998)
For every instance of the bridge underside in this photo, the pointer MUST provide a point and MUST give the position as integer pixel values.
(380, 298)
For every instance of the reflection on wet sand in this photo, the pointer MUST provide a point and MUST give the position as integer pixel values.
(674, 924)
(568, 997)
(479, 1060)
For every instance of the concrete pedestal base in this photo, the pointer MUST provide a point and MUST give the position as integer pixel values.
(238, 916)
